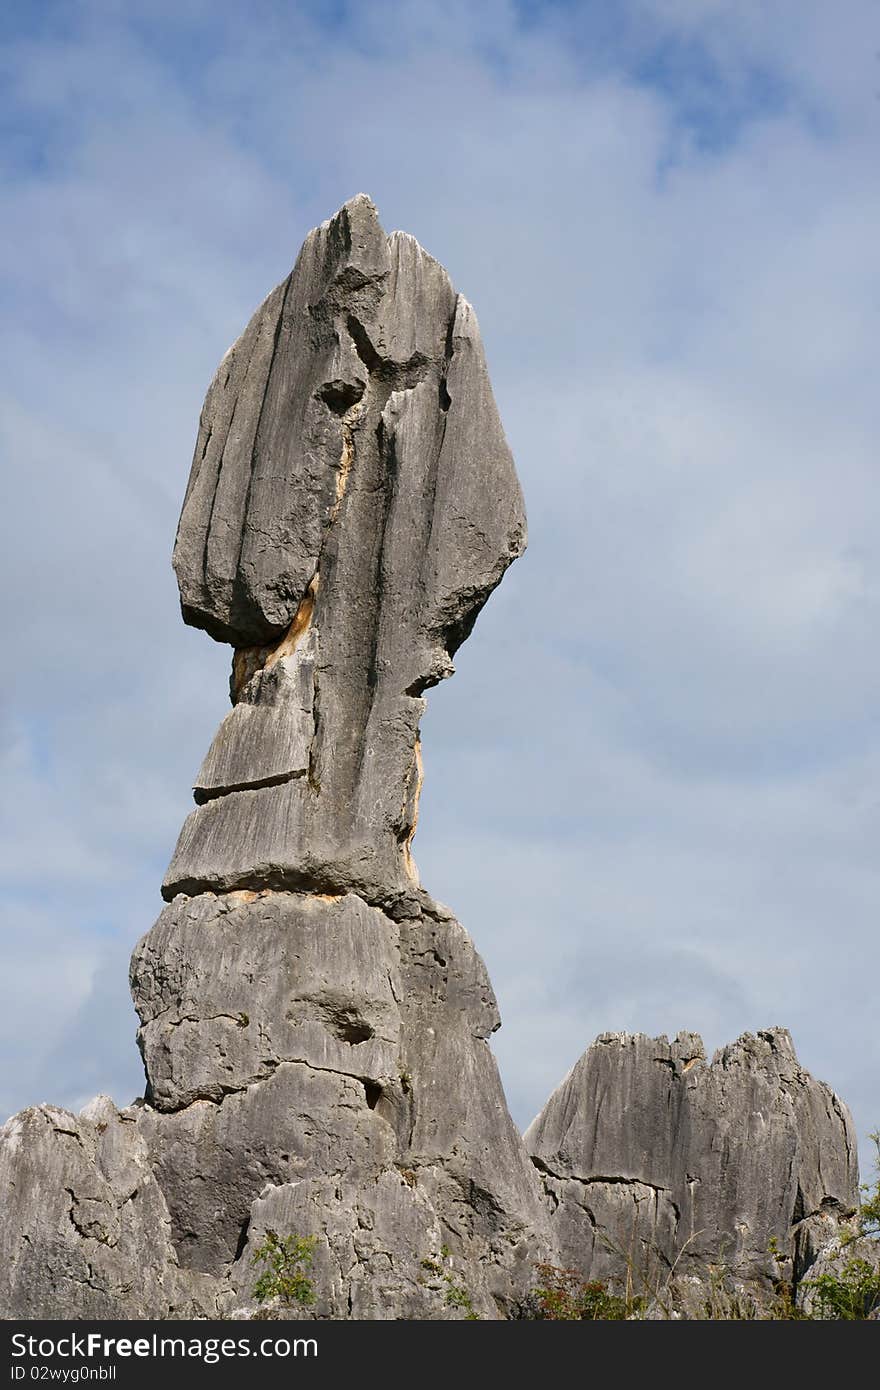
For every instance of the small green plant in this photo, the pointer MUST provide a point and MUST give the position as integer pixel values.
(852, 1291)
(563, 1296)
(868, 1216)
(848, 1295)
(286, 1259)
(457, 1295)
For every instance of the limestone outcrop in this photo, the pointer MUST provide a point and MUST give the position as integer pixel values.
(86, 1231)
(660, 1166)
(308, 1055)
(314, 1025)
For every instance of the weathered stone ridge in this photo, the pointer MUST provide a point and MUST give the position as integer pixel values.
(658, 1165)
(86, 1231)
(314, 1066)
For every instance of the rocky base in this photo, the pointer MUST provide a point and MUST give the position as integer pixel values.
(361, 1106)
(315, 1067)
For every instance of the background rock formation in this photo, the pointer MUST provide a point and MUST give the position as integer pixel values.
(657, 1162)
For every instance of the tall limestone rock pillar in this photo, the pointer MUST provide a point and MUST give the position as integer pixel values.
(313, 1025)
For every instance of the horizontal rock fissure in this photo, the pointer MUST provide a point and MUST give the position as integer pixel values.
(273, 1065)
(69, 1133)
(261, 881)
(543, 1167)
(202, 795)
(240, 1020)
(396, 906)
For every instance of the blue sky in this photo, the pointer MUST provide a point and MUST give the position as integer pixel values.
(653, 788)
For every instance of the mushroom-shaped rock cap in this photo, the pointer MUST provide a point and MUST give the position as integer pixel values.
(364, 361)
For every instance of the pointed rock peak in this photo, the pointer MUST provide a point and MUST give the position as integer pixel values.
(767, 1047)
(360, 204)
(355, 237)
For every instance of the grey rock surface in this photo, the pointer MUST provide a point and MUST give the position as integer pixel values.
(376, 1238)
(351, 506)
(86, 1231)
(653, 1159)
(229, 987)
(299, 1045)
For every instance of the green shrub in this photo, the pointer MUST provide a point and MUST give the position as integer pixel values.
(563, 1296)
(852, 1292)
(848, 1295)
(868, 1218)
(286, 1259)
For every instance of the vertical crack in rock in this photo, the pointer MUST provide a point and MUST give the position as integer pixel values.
(240, 573)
